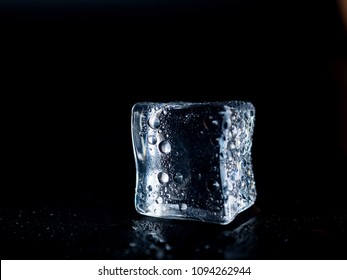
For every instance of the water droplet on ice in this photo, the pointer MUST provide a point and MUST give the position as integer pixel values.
(212, 186)
(154, 122)
(152, 139)
(178, 178)
(163, 178)
(165, 147)
(183, 206)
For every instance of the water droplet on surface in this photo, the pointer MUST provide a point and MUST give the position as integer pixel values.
(178, 178)
(159, 200)
(165, 147)
(183, 206)
(163, 178)
(149, 188)
(154, 122)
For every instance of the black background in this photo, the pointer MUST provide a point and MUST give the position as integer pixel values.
(71, 72)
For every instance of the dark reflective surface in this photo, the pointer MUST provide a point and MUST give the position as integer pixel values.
(157, 239)
(90, 233)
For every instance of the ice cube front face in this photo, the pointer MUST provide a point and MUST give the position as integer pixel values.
(193, 160)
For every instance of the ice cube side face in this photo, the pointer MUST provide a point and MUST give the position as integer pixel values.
(193, 160)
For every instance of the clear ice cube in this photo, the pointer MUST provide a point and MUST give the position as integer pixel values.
(193, 160)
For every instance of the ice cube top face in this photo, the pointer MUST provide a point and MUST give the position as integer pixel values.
(193, 160)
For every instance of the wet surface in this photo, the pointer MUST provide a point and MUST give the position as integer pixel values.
(90, 233)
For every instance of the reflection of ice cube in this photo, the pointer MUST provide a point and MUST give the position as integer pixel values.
(193, 160)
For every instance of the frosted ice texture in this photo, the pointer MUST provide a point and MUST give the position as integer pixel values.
(193, 160)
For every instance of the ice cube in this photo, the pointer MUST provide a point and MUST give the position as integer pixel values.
(193, 160)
